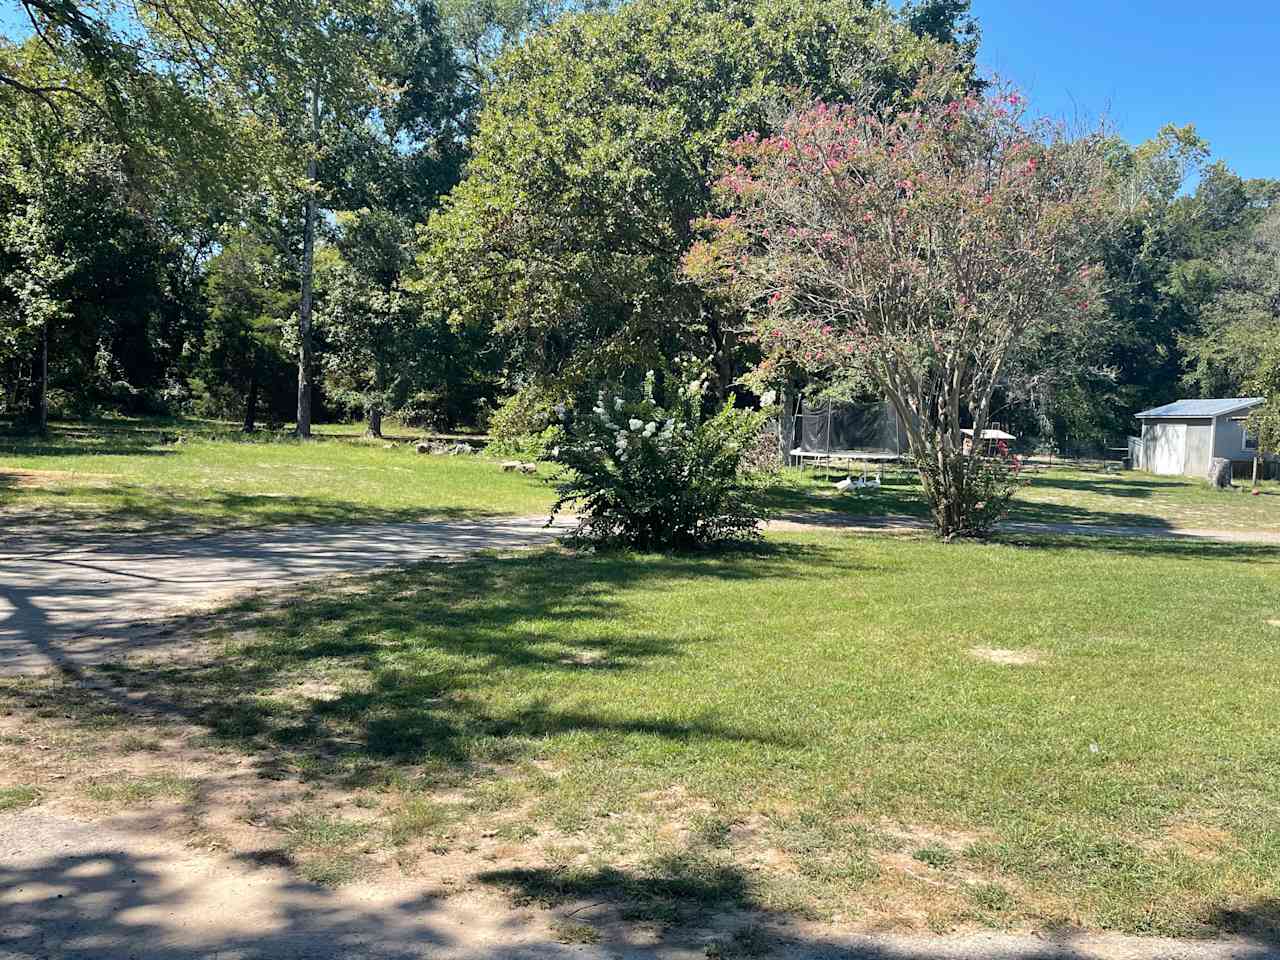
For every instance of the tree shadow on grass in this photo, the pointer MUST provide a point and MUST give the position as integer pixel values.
(418, 665)
(904, 500)
(109, 901)
(898, 498)
(1166, 546)
(1124, 486)
(722, 901)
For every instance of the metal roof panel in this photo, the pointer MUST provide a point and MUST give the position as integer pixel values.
(1199, 408)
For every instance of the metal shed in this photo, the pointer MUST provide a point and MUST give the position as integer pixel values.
(1180, 438)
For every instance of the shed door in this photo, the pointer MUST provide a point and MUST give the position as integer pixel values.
(1167, 448)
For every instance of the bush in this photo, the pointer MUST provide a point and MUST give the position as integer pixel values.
(976, 495)
(524, 425)
(646, 476)
(526, 446)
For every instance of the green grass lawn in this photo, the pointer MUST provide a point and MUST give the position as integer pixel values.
(883, 731)
(132, 474)
(1092, 498)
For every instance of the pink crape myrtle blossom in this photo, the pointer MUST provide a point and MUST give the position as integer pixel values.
(917, 248)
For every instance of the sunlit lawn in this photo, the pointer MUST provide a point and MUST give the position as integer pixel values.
(132, 473)
(884, 731)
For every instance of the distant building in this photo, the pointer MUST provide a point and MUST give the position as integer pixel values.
(1181, 437)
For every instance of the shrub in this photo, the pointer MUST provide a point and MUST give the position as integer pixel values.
(524, 425)
(655, 477)
(975, 496)
(526, 446)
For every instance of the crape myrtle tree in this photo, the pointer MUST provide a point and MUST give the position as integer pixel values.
(918, 247)
(593, 155)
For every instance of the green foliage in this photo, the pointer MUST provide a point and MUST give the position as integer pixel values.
(1164, 264)
(1242, 319)
(525, 424)
(367, 318)
(85, 263)
(1264, 423)
(242, 362)
(659, 476)
(591, 159)
(980, 490)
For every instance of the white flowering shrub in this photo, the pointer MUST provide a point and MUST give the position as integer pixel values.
(653, 477)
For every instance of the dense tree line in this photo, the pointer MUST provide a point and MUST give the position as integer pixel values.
(274, 211)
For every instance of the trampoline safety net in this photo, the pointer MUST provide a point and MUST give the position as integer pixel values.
(826, 428)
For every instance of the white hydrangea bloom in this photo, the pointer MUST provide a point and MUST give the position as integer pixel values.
(768, 397)
(634, 424)
(617, 403)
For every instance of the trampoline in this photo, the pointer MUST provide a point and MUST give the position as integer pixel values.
(827, 433)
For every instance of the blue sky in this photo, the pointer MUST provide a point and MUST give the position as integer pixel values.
(1147, 63)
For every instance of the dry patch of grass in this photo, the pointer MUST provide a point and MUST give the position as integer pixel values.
(46, 479)
(1006, 658)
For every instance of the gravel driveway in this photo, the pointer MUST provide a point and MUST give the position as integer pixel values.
(80, 599)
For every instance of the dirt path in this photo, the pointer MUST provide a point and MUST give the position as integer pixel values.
(120, 891)
(89, 594)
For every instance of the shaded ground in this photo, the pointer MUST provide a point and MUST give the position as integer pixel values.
(90, 592)
(117, 891)
(796, 521)
(1124, 503)
(92, 589)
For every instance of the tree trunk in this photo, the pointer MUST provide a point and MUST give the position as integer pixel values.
(786, 423)
(308, 277)
(375, 409)
(722, 356)
(251, 403)
(38, 402)
(1256, 461)
(1220, 473)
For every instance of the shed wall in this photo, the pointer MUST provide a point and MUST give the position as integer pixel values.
(1165, 446)
(1198, 448)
